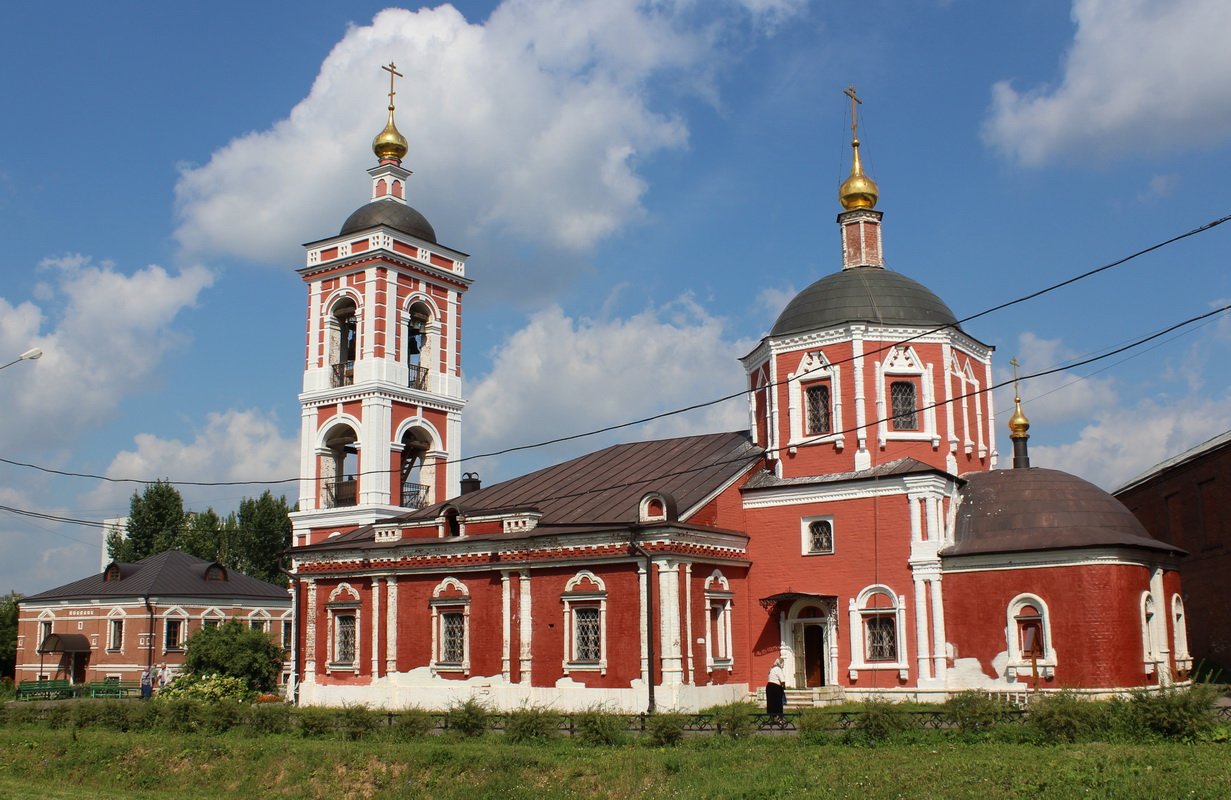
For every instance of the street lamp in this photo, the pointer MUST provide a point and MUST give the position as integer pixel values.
(30, 355)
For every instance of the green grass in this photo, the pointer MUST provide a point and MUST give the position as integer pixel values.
(39, 763)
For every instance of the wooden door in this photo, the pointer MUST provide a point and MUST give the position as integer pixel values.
(814, 655)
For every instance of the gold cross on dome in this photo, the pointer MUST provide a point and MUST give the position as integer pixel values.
(1016, 391)
(392, 69)
(855, 102)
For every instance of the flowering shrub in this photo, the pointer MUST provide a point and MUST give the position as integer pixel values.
(206, 687)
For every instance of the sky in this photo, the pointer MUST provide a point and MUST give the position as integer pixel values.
(642, 187)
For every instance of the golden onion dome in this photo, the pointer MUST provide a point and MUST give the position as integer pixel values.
(858, 190)
(390, 144)
(1018, 424)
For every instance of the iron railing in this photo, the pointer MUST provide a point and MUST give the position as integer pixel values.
(414, 495)
(418, 378)
(341, 493)
(343, 374)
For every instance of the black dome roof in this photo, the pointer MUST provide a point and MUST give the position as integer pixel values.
(398, 216)
(862, 294)
(1015, 510)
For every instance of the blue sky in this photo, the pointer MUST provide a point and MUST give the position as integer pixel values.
(642, 186)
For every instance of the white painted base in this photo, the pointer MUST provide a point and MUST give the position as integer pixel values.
(420, 688)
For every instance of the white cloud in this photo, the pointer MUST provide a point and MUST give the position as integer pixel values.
(1141, 76)
(1158, 188)
(560, 375)
(234, 445)
(1054, 399)
(108, 335)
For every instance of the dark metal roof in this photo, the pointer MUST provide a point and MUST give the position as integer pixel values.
(603, 488)
(899, 466)
(392, 213)
(863, 294)
(64, 643)
(168, 574)
(1208, 446)
(1015, 510)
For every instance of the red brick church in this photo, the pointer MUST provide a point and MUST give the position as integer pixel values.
(859, 528)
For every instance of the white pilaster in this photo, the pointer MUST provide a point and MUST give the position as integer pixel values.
(391, 626)
(506, 623)
(524, 649)
(939, 661)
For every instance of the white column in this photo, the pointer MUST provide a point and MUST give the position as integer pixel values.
(644, 626)
(309, 489)
(375, 628)
(916, 527)
(309, 619)
(375, 465)
(863, 459)
(506, 623)
(391, 626)
(669, 622)
(935, 534)
(921, 628)
(523, 635)
(939, 662)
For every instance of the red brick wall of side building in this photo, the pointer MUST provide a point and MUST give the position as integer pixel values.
(1094, 612)
(736, 670)
(871, 538)
(1189, 505)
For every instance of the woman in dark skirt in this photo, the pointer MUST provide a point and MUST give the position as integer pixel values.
(775, 690)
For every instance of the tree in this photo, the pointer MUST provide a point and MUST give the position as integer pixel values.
(203, 536)
(155, 522)
(8, 634)
(235, 650)
(264, 534)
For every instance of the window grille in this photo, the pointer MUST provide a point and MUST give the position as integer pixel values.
(882, 637)
(902, 397)
(453, 639)
(820, 536)
(344, 649)
(587, 642)
(819, 419)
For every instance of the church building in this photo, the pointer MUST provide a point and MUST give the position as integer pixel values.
(859, 529)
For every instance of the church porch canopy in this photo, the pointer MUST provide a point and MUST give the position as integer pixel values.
(785, 599)
(65, 643)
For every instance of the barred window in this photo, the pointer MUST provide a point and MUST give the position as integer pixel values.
(819, 418)
(586, 636)
(453, 637)
(881, 637)
(344, 639)
(902, 398)
(820, 536)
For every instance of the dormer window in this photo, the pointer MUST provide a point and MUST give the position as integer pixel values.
(215, 572)
(112, 573)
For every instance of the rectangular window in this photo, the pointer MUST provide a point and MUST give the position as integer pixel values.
(719, 626)
(258, 624)
(344, 639)
(210, 622)
(902, 399)
(173, 635)
(820, 421)
(452, 637)
(880, 637)
(116, 638)
(820, 536)
(286, 634)
(587, 641)
(44, 631)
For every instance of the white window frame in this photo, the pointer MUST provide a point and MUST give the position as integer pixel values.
(860, 609)
(805, 536)
(902, 362)
(577, 596)
(259, 620)
(444, 604)
(287, 639)
(343, 601)
(179, 615)
(1019, 663)
(814, 367)
(46, 626)
(1179, 635)
(114, 646)
(1153, 635)
(719, 653)
(212, 617)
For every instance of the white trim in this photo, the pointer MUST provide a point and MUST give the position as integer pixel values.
(858, 611)
(596, 598)
(719, 653)
(449, 605)
(814, 368)
(1019, 664)
(805, 535)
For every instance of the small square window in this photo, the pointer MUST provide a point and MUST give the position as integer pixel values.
(817, 535)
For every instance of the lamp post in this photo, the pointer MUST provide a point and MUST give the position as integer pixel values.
(30, 355)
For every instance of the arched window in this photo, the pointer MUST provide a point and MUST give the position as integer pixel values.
(1179, 634)
(339, 468)
(416, 477)
(585, 623)
(718, 600)
(878, 627)
(343, 342)
(817, 535)
(1152, 640)
(451, 626)
(418, 345)
(343, 609)
(1028, 636)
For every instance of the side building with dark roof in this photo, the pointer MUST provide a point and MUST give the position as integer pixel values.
(115, 624)
(859, 530)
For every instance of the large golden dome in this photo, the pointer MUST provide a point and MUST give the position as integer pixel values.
(390, 144)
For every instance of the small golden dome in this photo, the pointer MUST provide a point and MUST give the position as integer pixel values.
(390, 144)
(858, 190)
(1018, 424)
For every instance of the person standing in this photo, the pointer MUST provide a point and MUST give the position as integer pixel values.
(775, 690)
(147, 684)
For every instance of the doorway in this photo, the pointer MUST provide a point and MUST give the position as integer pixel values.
(814, 656)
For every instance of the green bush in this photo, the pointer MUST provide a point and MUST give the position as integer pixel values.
(8, 691)
(209, 688)
(815, 726)
(1183, 713)
(598, 728)
(529, 724)
(118, 715)
(359, 721)
(412, 723)
(24, 713)
(266, 718)
(974, 711)
(1066, 717)
(58, 714)
(221, 716)
(666, 729)
(736, 719)
(179, 715)
(316, 722)
(470, 718)
(878, 721)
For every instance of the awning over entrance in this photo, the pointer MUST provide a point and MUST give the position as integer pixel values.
(786, 598)
(65, 643)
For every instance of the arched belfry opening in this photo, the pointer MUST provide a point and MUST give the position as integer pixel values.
(417, 475)
(419, 345)
(338, 465)
(343, 342)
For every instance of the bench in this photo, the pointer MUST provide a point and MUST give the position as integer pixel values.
(44, 690)
(111, 689)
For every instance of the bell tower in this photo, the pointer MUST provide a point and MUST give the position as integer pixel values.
(381, 402)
